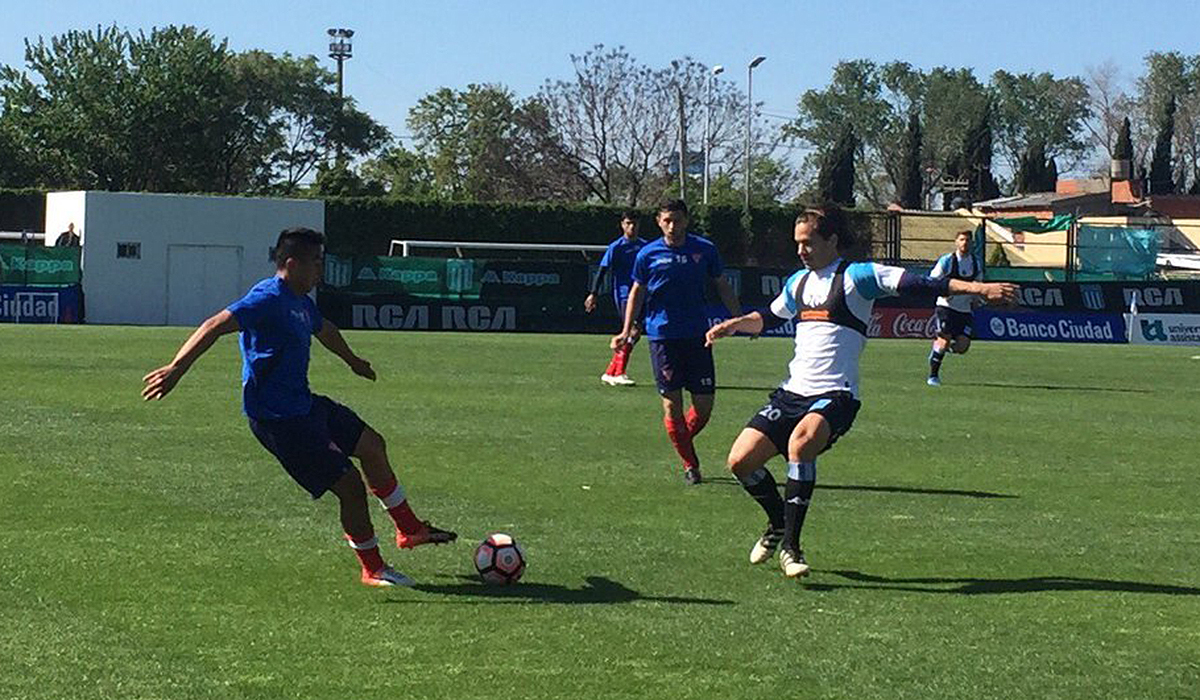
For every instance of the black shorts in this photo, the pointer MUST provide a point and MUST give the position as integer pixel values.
(951, 323)
(683, 363)
(314, 449)
(783, 412)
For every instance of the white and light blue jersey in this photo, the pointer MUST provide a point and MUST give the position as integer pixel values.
(962, 303)
(827, 353)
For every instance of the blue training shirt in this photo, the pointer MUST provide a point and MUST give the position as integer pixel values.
(277, 329)
(674, 279)
(619, 257)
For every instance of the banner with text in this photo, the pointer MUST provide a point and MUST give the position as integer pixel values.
(995, 324)
(41, 304)
(38, 265)
(1163, 329)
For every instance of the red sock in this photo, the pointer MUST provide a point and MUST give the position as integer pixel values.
(695, 422)
(681, 438)
(621, 358)
(367, 552)
(612, 365)
(391, 495)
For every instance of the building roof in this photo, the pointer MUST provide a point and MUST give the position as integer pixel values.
(1044, 200)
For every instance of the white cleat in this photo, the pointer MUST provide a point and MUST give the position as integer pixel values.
(766, 545)
(933, 381)
(617, 380)
(385, 577)
(792, 563)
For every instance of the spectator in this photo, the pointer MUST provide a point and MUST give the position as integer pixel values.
(68, 238)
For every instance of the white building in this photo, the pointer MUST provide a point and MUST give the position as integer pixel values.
(169, 259)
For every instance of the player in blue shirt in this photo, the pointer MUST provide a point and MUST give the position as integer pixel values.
(312, 436)
(618, 259)
(669, 278)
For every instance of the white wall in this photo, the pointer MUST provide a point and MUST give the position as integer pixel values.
(198, 254)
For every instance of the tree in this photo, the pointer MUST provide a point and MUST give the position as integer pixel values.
(912, 185)
(400, 173)
(835, 183)
(975, 164)
(1035, 174)
(615, 122)
(174, 111)
(1033, 108)
(1110, 106)
(1123, 150)
(1162, 180)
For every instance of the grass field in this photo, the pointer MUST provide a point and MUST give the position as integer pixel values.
(1030, 530)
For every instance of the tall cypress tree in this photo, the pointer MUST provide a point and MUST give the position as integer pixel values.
(835, 181)
(1124, 148)
(977, 158)
(910, 194)
(1161, 181)
(1035, 174)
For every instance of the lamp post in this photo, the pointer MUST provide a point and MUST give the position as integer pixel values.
(749, 116)
(716, 70)
(340, 50)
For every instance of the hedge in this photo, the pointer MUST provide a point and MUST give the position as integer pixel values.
(22, 210)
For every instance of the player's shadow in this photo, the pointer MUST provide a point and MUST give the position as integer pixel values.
(759, 389)
(995, 586)
(729, 480)
(596, 591)
(1056, 387)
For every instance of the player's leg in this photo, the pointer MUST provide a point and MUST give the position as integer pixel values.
(681, 438)
(665, 360)
(936, 355)
(961, 345)
(621, 358)
(371, 451)
(747, 461)
(808, 439)
(360, 534)
(701, 376)
(615, 375)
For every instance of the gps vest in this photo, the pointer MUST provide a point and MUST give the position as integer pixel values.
(833, 309)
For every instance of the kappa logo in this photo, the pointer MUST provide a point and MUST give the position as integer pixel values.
(1154, 330)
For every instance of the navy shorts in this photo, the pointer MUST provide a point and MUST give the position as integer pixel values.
(951, 323)
(784, 411)
(621, 301)
(683, 363)
(314, 449)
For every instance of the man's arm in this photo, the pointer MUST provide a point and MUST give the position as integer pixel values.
(161, 381)
(589, 303)
(332, 339)
(633, 308)
(728, 298)
(752, 323)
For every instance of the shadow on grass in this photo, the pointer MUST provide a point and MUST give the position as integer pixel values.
(734, 387)
(993, 586)
(729, 480)
(596, 591)
(1055, 387)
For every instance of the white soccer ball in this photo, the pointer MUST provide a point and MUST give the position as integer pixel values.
(499, 560)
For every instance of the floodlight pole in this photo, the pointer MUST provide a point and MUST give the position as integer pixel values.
(340, 50)
(716, 70)
(749, 117)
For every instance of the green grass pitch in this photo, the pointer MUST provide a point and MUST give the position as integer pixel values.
(1030, 530)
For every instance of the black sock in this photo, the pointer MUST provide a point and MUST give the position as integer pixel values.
(802, 479)
(762, 488)
(935, 361)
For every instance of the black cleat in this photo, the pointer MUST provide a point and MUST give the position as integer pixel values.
(691, 475)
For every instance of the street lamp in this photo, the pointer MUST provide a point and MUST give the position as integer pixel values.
(716, 70)
(749, 115)
(340, 50)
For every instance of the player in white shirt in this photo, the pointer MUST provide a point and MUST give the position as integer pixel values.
(953, 312)
(830, 301)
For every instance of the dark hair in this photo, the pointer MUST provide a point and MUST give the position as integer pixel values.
(830, 219)
(965, 232)
(673, 205)
(630, 215)
(293, 241)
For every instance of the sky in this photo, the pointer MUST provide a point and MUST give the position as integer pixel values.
(406, 49)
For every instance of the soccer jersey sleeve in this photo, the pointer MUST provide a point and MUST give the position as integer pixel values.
(251, 309)
(715, 268)
(606, 261)
(941, 269)
(641, 267)
(784, 306)
(874, 281)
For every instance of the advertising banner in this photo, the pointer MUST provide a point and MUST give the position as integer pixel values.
(1163, 329)
(38, 265)
(41, 304)
(995, 324)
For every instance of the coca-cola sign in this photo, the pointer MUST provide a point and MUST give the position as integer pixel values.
(902, 323)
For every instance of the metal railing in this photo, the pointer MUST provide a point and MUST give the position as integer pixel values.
(406, 246)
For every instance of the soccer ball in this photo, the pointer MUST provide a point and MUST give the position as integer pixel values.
(499, 560)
